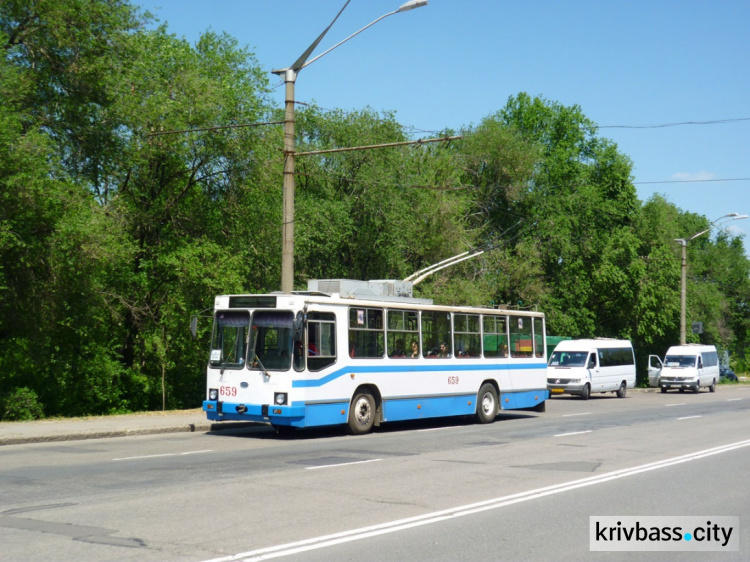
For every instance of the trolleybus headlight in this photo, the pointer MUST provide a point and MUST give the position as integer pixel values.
(213, 394)
(279, 398)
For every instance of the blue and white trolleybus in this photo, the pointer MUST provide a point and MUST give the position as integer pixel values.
(361, 353)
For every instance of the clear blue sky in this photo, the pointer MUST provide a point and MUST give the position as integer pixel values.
(454, 62)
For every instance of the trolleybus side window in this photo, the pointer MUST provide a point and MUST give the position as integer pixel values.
(538, 337)
(321, 340)
(366, 334)
(436, 334)
(403, 331)
(229, 340)
(495, 339)
(271, 342)
(521, 342)
(466, 335)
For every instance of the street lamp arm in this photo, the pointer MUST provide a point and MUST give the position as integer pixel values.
(729, 218)
(721, 221)
(301, 61)
(694, 236)
(347, 39)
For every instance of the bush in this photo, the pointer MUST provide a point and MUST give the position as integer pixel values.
(20, 405)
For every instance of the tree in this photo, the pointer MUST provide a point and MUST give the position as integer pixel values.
(371, 214)
(581, 202)
(190, 203)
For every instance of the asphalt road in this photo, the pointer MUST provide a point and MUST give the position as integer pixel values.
(522, 488)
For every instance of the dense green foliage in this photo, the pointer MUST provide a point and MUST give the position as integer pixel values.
(113, 233)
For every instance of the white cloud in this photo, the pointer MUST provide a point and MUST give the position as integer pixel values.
(694, 176)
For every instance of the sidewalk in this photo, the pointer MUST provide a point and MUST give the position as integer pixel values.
(97, 427)
(146, 423)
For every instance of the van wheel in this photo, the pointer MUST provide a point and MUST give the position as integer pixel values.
(663, 389)
(697, 388)
(586, 392)
(622, 390)
(712, 388)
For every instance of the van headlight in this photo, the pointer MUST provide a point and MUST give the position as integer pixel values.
(213, 394)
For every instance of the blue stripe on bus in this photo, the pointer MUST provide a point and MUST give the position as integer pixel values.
(301, 414)
(307, 383)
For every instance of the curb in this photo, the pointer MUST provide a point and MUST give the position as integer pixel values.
(206, 427)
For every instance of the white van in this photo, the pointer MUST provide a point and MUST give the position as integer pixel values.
(685, 366)
(597, 365)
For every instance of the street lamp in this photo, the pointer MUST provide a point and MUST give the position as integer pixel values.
(290, 77)
(684, 242)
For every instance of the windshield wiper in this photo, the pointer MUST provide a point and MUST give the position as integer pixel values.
(224, 364)
(262, 368)
(256, 358)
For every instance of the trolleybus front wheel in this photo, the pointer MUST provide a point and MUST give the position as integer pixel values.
(362, 414)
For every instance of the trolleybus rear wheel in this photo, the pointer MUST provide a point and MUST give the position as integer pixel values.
(487, 404)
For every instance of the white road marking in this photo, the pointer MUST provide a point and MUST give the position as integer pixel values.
(680, 404)
(163, 455)
(440, 428)
(571, 415)
(437, 516)
(733, 399)
(572, 433)
(341, 464)
(689, 417)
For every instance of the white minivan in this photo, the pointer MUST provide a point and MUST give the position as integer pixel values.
(581, 367)
(685, 366)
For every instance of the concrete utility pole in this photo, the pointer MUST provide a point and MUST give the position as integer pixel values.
(290, 77)
(683, 287)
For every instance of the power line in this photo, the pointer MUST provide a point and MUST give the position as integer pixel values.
(690, 181)
(664, 125)
(217, 128)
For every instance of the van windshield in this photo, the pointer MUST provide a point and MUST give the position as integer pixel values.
(568, 358)
(679, 361)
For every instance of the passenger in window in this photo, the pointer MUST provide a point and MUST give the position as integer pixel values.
(298, 360)
(414, 349)
(312, 349)
(399, 351)
(443, 352)
(503, 350)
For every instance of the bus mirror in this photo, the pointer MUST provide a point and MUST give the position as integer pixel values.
(194, 325)
(299, 324)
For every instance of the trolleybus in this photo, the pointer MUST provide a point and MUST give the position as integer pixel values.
(360, 353)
